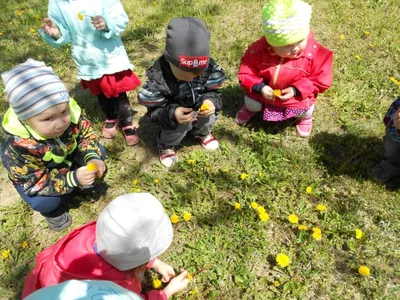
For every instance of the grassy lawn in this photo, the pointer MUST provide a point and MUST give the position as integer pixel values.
(230, 252)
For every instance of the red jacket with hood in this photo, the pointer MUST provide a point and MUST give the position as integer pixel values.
(310, 73)
(74, 257)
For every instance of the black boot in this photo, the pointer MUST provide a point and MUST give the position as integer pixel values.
(58, 219)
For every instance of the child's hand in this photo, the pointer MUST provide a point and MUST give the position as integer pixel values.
(101, 166)
(184, 115)
(267, 93)
(396, 119)
(286, 94)
(207, 112)
(163, 269)
(85, 177)
(99, 23)
(177, 284)
(50, 28)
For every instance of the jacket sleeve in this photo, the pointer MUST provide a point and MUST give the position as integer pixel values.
(320, 78)
(55, 15)
(213, 83)
(24, 162)
(88, 144)
(115, 17)
(248, 70)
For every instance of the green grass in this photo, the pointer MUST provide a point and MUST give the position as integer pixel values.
(230, 252)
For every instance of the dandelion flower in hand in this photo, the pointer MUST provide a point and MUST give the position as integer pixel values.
(205, 106)
(364, 271)
(283, 260)
(157, 283)
(293, 219)
(91, 167)
(80, 16)
(277, 93)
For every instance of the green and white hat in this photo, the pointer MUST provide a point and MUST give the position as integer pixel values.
(286, 22)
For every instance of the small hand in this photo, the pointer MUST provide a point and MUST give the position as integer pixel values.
(396, 119)
(177, 284)
(50, 28)
(101, 166)
(99, 23)
(85, 177)
(164, 269)
(267, 93)
(286, 94)
(207, 112)
(184, 115)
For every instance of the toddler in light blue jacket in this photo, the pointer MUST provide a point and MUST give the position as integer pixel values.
(93, 29)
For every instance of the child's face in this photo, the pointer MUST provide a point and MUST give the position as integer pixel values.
(51, 122)
(291, 51)
(183, 75)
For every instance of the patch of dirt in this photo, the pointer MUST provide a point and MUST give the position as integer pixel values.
(8, 194)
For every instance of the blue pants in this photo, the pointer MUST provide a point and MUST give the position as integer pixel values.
(44, 204)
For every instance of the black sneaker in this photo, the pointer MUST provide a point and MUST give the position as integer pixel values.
(385, 171)
(58, 219)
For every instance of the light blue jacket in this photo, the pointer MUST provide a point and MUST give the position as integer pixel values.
(95, 52)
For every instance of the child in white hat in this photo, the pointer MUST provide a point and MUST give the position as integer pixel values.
(283, 72)
(131, 231)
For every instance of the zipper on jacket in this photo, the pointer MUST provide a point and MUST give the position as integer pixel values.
(275, 78)
(191, 89)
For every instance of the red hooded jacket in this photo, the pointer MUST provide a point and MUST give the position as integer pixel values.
(310, 73)
(74, 257)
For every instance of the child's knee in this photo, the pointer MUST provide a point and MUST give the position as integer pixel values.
(252, 105)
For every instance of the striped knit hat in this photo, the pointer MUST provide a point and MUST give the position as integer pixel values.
(31, 88)
(286, 22)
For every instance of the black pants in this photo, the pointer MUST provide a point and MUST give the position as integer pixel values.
(117, 108)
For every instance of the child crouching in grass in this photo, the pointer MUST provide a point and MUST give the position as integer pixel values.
(129, 234)
(48, 141)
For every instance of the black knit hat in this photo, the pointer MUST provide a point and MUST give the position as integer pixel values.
(188, 44)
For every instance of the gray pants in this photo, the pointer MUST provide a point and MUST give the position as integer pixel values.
(392, 150)
(201, 127)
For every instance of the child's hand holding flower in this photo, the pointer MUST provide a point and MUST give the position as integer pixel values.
(267, 93)
(177, 284)
(99, 23)
(207, 108)
(101, 166)
(164, 269)
(50, 28)
(287, 94)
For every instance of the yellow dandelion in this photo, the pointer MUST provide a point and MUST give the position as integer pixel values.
(189, 276)
(135, 181)
(243, 176)
(194, 291)
(372, 45)
(321, 207)
(317, 235)
(303, 227)
(5, 253)
(260, 174)
(394, 80)
(191, 161)
(283, 260)
(359, 234)
(174, 219)
(237, 205)
(157, 283)
(264, 217)
(156, 181)
(364, 271)
(358, 57)
(32, 30)
(293, 219)
(276, 283)
(91, 167)
(309, 190)
(80, 16)
(366, 32)
(277, 93)
(24, 244)
(260, 209)
(187, 216)
(342, 37)
(254, 204)
(205, 106)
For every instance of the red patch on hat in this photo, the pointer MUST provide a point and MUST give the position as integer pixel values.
(193, 62)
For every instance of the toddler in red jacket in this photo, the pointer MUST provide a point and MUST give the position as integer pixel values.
(283, 72)
(131, 231)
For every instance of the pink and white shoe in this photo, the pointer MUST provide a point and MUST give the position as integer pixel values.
(209, 142)
(304, 126)
(130, 135)
(244, 115)
(110, 128)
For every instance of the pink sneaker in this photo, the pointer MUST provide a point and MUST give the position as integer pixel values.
(110, 128)
(304, 126)
(244, 115)
(130, 135)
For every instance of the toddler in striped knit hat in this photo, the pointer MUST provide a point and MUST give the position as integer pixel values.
(283, 72)
(48, 141)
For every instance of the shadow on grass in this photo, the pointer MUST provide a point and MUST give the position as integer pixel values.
(347, 154)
